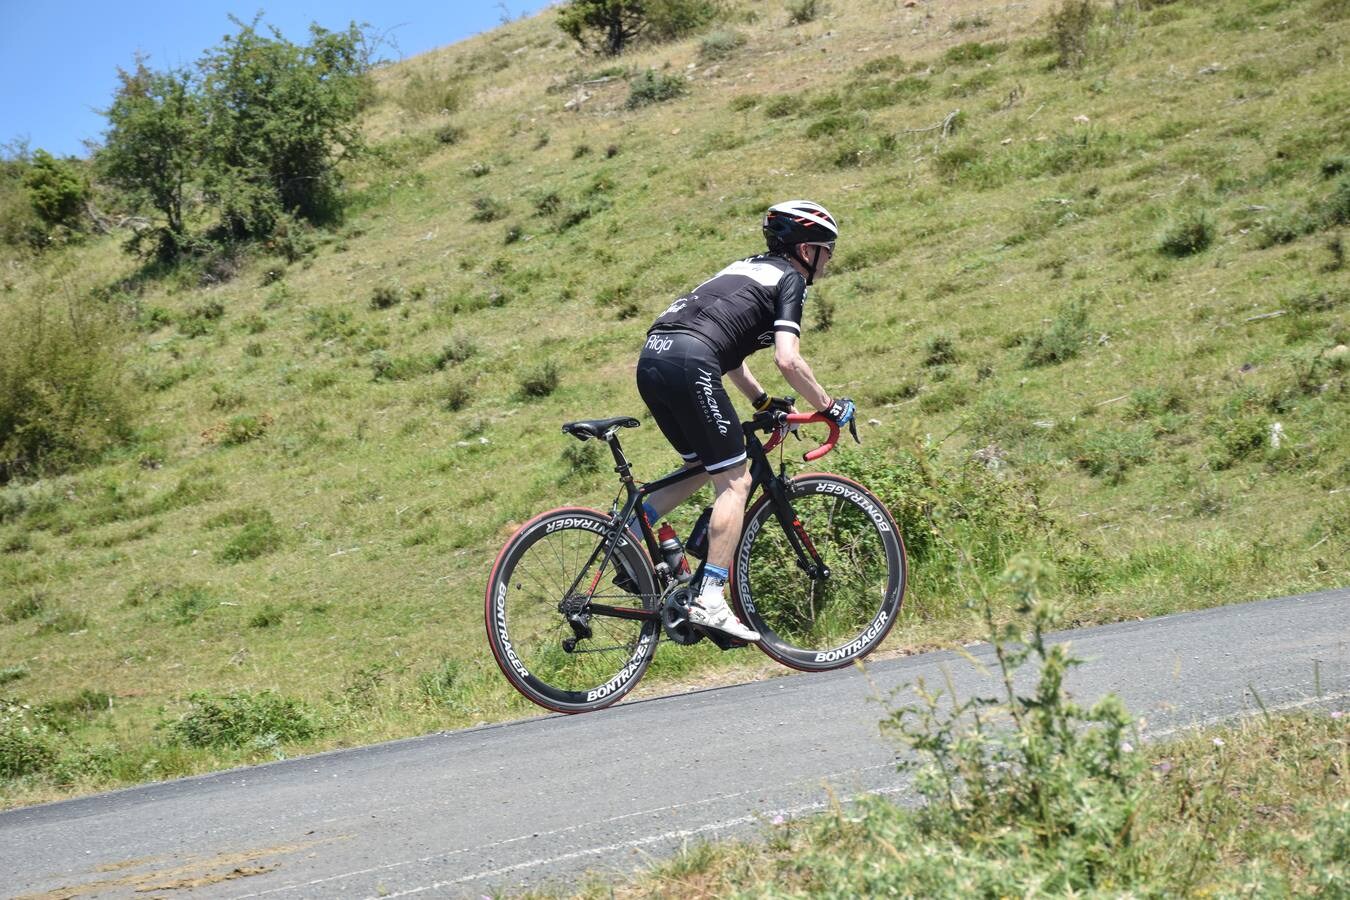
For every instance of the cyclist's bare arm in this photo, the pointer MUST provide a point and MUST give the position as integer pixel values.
(746, 383)
(787, 356)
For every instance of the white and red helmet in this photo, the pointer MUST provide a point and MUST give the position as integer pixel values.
(799, 222)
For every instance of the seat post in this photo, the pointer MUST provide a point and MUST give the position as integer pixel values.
(620, 461)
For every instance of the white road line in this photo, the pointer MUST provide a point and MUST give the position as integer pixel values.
(445, 854)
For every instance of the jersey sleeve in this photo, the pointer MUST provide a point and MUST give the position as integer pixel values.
(788, 310)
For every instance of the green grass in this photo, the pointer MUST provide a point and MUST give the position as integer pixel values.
(1042, 373)
(1256, 808)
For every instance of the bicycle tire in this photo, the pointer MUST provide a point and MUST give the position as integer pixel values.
(526, 630)
(812, 625)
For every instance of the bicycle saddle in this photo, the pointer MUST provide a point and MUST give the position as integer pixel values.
(596, 428)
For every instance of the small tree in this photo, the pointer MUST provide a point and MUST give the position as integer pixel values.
(57, 190)
(607, 27)
(152, 147)
(603, 26)
(279, 117)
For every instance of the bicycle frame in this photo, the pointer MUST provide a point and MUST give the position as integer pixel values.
(761, 475)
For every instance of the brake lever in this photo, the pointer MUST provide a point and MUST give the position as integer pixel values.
(853, 430)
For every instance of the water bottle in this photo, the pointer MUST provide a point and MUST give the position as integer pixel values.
(673, 552)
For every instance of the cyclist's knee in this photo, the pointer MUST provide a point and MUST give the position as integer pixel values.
(737, 480)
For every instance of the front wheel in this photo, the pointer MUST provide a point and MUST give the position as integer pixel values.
(821, 623)
(549, 569)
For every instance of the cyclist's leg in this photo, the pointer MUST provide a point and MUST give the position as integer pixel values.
(732, 487)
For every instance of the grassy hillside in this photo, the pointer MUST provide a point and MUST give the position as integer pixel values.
(1100, 315)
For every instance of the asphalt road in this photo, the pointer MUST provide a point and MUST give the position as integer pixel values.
(541, 801)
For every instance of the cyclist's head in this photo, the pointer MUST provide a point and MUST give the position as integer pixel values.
(792, 227)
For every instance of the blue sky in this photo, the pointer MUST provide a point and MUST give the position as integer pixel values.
(59, 60)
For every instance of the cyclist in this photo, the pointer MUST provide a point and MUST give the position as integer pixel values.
(707, 333)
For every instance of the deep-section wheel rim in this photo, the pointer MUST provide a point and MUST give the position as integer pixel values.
(819, 625)
(527, 632)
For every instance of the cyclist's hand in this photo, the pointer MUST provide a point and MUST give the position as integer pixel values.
(765, 403)
(840, 411)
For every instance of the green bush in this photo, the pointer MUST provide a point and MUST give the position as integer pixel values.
(487, 209)
(608, 27)
(1025, 787)
(1187, 233)
(242, 429)
(800, 12)
(25, 748)
(65, 397)
(237, 720)
(973, 51)
(720, 45)
(9, 674)
(654, 87)
(1065, 337)
(25, 607)
(540, 381)
(57, 190)
(154, 150)
(257, 538)
(1109, 453)
(1071, 31)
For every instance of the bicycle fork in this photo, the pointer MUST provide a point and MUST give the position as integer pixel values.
(775, 487)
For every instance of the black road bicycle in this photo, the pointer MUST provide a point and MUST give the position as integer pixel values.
(575, 607)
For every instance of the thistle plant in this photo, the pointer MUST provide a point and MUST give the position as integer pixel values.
(1038, 770)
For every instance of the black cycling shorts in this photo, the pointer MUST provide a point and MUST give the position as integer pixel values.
(681, 382)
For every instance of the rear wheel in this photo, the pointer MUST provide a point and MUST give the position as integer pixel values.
(821, 623)
(546, 573)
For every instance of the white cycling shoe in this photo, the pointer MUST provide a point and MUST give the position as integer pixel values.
(713, 612)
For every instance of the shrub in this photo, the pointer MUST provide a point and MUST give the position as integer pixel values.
(257, 538)
(608, 27)
(244, 428)
(25, 607)
(1335, 208)
(450, 134)
(64, 393)
(1065, 337)
(720, 45)
(488, 209)
(455, 393)
(25, 748)
(973, 51)
(386, 295)
(1071, 30)
(278, 117)
(267, 617)
(10, 674)
(781, 106)
(939, 351)
(581, 459)
(1187, 233)
(1036, 779)
(57, 190)
(653, 87)
(540, 381)
(154, 150)
(236, 720)
(800, 12)
(430, 93)
(1110, 454)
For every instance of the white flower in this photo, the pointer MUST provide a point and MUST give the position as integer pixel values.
(1126, 747)
(1218, 742)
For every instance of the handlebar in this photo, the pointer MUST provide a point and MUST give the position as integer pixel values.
(780, 423)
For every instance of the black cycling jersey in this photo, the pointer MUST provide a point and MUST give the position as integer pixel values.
(737, 311)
